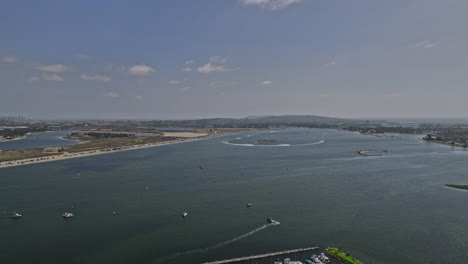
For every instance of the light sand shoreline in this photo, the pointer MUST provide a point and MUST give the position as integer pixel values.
(421, 137)
(64, 156)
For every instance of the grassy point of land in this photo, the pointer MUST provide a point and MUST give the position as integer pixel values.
(462, 187)
(343, 256)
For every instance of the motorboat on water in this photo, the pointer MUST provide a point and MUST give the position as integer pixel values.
(15, 215)
(184, 214)
(249, 205)
(67, 215)
(315, 259)
(324, 258)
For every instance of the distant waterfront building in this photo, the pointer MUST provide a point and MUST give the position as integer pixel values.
(13, 118)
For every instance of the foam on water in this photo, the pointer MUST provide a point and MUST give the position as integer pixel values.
(225, 243)
(278, 145)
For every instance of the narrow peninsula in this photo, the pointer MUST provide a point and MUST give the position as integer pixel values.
(344, 257)
(461, 187)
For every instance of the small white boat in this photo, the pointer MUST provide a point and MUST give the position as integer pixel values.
(15, 215)
(184, 214)
(324, 258)
(67, 215)
(249, 205)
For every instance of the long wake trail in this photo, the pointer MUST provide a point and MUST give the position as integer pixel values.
(220, 244)
(279, 145)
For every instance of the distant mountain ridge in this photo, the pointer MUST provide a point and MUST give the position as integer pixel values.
(261, 122)
(301, 119)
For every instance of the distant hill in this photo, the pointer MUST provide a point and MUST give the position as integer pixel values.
(289, 119)
(260, 122)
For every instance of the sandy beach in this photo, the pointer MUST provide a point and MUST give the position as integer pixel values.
(182, 138)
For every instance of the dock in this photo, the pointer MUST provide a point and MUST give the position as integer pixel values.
(271, 254)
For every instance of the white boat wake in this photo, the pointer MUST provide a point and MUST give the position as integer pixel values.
(223, 243)
(278, 145)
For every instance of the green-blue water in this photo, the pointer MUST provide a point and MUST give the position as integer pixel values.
(386, 209)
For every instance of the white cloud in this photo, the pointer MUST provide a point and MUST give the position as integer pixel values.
(83, 57)
(329, 64)
(210, 67)
(185, 89)
(173, 82)
(139, 97)
(53, 68)
(189, 62)
(426, 44)
(112, 94)
(95, 77)
(52, 77)
(323, 95)
(266, 83)
(215, 64)
(10, 59)
(270, 4)
(141, 70)
(187, 69)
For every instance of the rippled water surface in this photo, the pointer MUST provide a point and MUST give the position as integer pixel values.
(384, 209)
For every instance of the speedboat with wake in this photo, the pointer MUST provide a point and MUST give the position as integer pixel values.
(67, 215)
(271, 221)
(15, 215)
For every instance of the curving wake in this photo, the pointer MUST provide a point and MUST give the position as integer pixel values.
(278, 145)
(223, 243)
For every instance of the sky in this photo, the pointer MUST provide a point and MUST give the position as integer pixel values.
(176, 59)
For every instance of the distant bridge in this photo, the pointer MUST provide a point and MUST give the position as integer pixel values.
(272, 254)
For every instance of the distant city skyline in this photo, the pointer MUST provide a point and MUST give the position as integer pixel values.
(183, 59)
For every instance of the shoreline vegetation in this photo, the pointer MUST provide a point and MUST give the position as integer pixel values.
(97, 146)
(344, 257)
(12, 133)
(440, 140)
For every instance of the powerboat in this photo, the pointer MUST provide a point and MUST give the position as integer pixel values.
(67, 215)
(324, 258)
(184, 214)
(315, 259)
(15, 215)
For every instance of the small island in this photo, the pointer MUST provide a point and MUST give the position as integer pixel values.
(461, 187)
(342, 256)
(261, 141)
(371, 152)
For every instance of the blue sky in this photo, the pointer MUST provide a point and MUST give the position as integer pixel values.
(233, 58)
